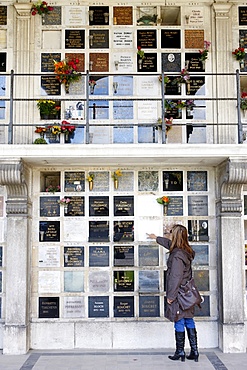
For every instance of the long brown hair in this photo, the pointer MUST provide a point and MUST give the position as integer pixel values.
(180, 239)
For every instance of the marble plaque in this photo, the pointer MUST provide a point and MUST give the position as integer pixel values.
(149, 63)
(49, 256)
(172, 181)
(196, 16)
(75, 229)
(124, 60)
(149, 281)
(1, 281)
(99, 281)
(74, 39)
(48, 307)
(124, 85)
(98, 256)
(147, 39)
(99, 206)
(101, 181)
(99, 61)
(201, 256)
(196, 86)
(123, 135)
(3, 15)
(193, 63)
(74, 256)
(1, 256)
(194, 39)
(99, 109)
(50, 86)
(1, 206)
(0, 307)
(123, 255)
(76, 207)
(243, 38)
(197, 181)
(98, 231)
(170, 39)
(47, 61)
(49, 231)
(73, 307)
(126, 182)
(198, 230)
(123, 231)
(99, 39)
(74, 181)
(148, 180)
(102, 85)
(122, 39)
(49, 282)
(75, 15)
(49, 207)
(175, 207)
(148, 256)
(73, 281)
(124, 205)
(123, 110)
(171, 62)
(52, 18)
(147, 86)
(123, 306)
(123, 281)
(98, 306)
(98, 15)
(147, 110)
(202, 279)
(198, 205)
(242, 16)
(123, 15)
(205, 310)
(80, 67)
(149, 306)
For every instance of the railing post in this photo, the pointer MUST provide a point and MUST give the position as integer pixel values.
(11, 104)
(87, 108)
(163, 109)
(240, 127)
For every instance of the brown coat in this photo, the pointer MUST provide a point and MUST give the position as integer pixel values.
(178, 273)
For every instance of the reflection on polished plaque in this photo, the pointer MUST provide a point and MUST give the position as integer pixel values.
(123, 306)
(175, 207)
(98, 306)
(123, 110)
(123, 255)
(99, 206)
(1, 256)
(148, 180)
(124, 205)
(74, 181)
(149, 281)
(201, 256)
(172, 88)
(73, 281)
(202, 279)
(98, 231)
(74, 39)
(196, 86)
(171, 62)
(99, 281)
(197, 181)
(123, 231)
(149, 306)
(48, 307)
(198, 230)
(198, 205)
(205, 307)
(148, 256)
(98, 256)
(1, 281)
(52, 18)
(172, 180)
(50, 86)
(123, 135)
(73, 256)
(123, 281)
(49, 231)
(170, 39)
(49, 207)
(75, 207)
(73, 307)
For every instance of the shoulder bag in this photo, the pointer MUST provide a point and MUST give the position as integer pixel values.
(188, 295)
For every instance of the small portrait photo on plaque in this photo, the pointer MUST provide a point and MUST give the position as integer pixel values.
(123, 281)
(98, 306)
(98, 231)
(74, 181)
(124, 205)
(124, 306)
(49, 207)
(98, 256)
(198, 230)
(172, 181)
(171, 62)
(123, 255)
(74, 256)
(48, 307)
(49, 231)
(149, 306)
(123, 231)
(99, 206)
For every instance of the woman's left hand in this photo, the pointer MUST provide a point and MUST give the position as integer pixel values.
(169, 301)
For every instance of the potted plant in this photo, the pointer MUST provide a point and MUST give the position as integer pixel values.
(52, 188)
(67, 129)
(49, 109)
(67, 72)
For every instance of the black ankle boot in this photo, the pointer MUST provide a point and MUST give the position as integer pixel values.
(179, 353)
(194, 354)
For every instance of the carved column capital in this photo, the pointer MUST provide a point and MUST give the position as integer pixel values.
(23, 9)
(222, 10)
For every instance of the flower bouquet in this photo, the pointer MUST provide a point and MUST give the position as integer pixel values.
(92, 83)
(204, 52)
(243, 101)
(166, 79)
(64, 201)
(67, 72)
(48, 108)
(163, 200)
(239, 54)
(168, 123)
(116, 174)
(140, 52)
(52, 188)
(183, 78)
(41, 7)
(67, 128)
(55, 129)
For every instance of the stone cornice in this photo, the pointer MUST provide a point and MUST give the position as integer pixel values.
(23, 9)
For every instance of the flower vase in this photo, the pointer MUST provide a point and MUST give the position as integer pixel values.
(241, 64)
(66, 137)
(90, 185)
(165, 209)
(91, 89)
(179, 87)
(188, 87)
(65, 209)
(140, 63)
(203, 64)
(116, 183)
(66, 85)
(42, 134)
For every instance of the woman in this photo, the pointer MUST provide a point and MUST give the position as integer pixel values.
(178, 273)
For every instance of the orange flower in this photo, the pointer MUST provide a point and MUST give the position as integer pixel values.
(166, 199)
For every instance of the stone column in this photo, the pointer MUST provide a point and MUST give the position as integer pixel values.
(232, 174)
(16, 315)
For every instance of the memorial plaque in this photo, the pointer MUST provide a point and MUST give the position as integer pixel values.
(99, 39)
(75, 15)
(74, 256)
(1, 206)
(170, 39)
(101, 181)
(80, 67)
(148, 256)
(149, 63)
(73, 307)
(1, 281)
(149, 306)
(123, 231)
(198, 230)
(193, 63)
(197, 181)
(171, 62)
(149, 281)
(123, 39)
(123, 281)
(49, 282)
(124, 85)
(98, 256)
(242, 16)
(52, 18)
(201, 256)
(172, 181)
(98, 15)
(47, 61)
(3, 62)
(48, 307)
(196, 86)
(98, 306)
(243, 38)
(124, 206)
(99, 206)
(74, 181)
(172, 88)
(148, 180)
(50, 85)
(198, 205)
(74, 39)
(123, 135)
(49, 256)
(123, 255)
(98, 231)
(123, 109)
(0, 307)
(101, 87)
(99, 62)
(123, 306)
(147, 39)
(99, 281)
(73, 281)
(201, 279)
(49, 207)
(3, 15)
(175, 207)
(52, 139)
(75, 207)
(123, 15)
(194, 39)
(1, 256)
(49, 231)
(205, 309)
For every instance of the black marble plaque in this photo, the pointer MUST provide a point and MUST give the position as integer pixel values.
(173, 112)
(98, 306)
(175, 207)
(99, 39)
(48, 307)
(149, 306)
(3, 62)
(52, 18)
(197, 181)
(50, 85)
(172, 180)
(171, 62)
(193, 63)
(73, 256)
(201, 254)
(196, 83)
(3, 15)
(149, 281)
(201, 279)
(123, 255)
(149, 63)
(1, 256)
(49, 207)
(98, 256)
(98, 231)
(123, 306)
(49, 231)
(172, 88)
(242, 16)
(147, 39)
(123, 281)
(123, 231)
(205, 307)
(74, 39)
(124, 206)
(198, 230)
(243, 38)
(198, 205)
(99, 206)
(148, 256)
(47, 61)
(170, 39)
(76, 207)
(74, 181)
(98, 15)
